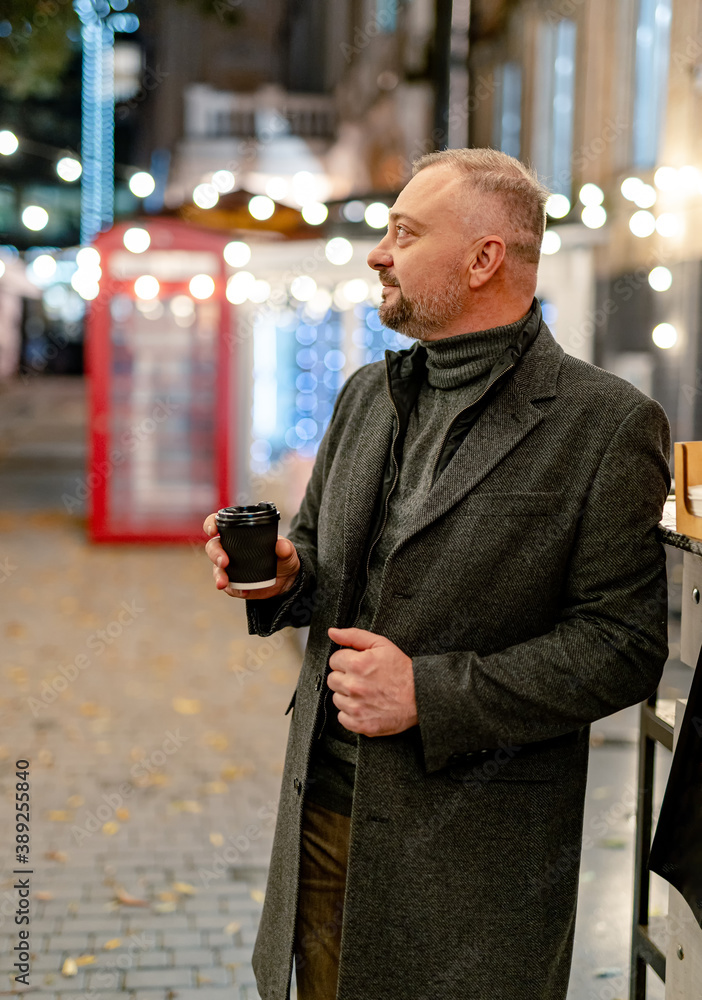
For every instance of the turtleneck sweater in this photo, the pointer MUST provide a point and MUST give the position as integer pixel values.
(457, 372)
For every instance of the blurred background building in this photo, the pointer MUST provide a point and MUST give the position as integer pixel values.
(289, 127)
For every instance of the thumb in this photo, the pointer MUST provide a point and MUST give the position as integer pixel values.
(357, 638)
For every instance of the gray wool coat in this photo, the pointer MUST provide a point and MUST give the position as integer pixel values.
(530, 593)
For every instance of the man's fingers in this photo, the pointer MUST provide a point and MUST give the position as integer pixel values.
(210, 525)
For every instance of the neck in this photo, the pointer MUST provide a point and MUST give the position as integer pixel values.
(485, 316)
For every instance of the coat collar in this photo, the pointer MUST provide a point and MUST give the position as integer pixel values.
(501, 426)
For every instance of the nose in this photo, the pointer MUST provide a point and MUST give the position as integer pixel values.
(379, 257)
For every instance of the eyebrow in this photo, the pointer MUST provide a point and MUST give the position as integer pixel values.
(401, 215)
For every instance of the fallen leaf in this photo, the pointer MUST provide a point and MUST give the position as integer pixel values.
(185, 888)
(258, 895)
(85, 960)
(73, 906)
(216, 839)
(167, 907)
(110, 828)
(126, 900)
(59, 816)
(89, 709)
(218, 741)
(168, 897)
(43, 897)
(122, 813)
(74, 801)
(46, 757)
(185, 805)
(215, 788)
(187, 706)
(233, 927)
(60, 856)
(15, 630)
(232, 772)
(112, 944)
(69, 967)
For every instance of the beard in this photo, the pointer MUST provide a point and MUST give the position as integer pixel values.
(428, 311)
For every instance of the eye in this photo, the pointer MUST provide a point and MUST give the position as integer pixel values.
(399, 227)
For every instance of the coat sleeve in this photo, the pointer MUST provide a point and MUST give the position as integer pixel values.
(609, 645)
(295, 607)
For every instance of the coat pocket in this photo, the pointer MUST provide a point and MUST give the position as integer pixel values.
(292, 701)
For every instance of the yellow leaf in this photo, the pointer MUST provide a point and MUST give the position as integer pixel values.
(232, 772)
(112, 944)
(89, 709)
(57, 856)
(167, 907)
(43, 896)
(218, 741)
(168, 897)
(233, 927)
(122, 813)
(59, 816)
(110, 828)
(215, 788)
(85, 960)
(123, 897)
(185, 888)
(216, 839)
(15, 630)
(75, 801)
(187, 706)
(70, 967)
(186, 805)
(258, 895)
(46, 757)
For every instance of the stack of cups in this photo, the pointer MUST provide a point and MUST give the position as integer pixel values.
(248, 535)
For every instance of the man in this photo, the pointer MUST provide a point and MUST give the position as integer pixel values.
(477, 544)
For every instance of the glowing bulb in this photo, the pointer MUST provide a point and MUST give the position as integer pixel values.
(642, 224)
(356, 290)
(354, 211)
(201, 286)
(591, 194)
(69, 169)
(660, 279)
(223, 181)
(314, 213)
(557, 206)
(43, 267)
(645, 196)
(205, 196)
(303, 288)
(8, 143)
(551, 242)
(35, 218)
(668, 224)
(146, 287)
(593, 216)
(338, 250)
(239, 286)
(666, 178)
(630, 187)
(136, 240)
(376, 215)
(261, 207)
(88, 258)
(142, 184)
(237, 253)
(260, 291)
(664, 336)
(276, 188)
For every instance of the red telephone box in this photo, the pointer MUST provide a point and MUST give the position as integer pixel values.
(160, 357)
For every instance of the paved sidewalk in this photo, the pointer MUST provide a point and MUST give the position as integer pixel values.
(155, 730)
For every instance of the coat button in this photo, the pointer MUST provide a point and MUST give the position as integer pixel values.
(318, 682)
(297, 785)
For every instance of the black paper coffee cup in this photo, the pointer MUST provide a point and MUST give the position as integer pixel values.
(248, 535)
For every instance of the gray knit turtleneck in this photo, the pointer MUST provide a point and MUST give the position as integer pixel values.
(457, 372)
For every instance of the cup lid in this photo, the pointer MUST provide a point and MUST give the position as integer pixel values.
(248, 513)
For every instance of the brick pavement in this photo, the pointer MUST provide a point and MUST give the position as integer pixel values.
(155, 729)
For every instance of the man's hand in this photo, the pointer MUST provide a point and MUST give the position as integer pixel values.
(373, 683)
(286, 571)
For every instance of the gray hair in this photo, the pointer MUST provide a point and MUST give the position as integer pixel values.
(522, 197)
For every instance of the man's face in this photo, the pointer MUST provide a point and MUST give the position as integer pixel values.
(423, 259)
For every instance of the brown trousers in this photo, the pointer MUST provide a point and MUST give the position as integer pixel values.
(325, 851)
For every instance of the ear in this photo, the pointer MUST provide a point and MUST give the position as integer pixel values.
(488, 255)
